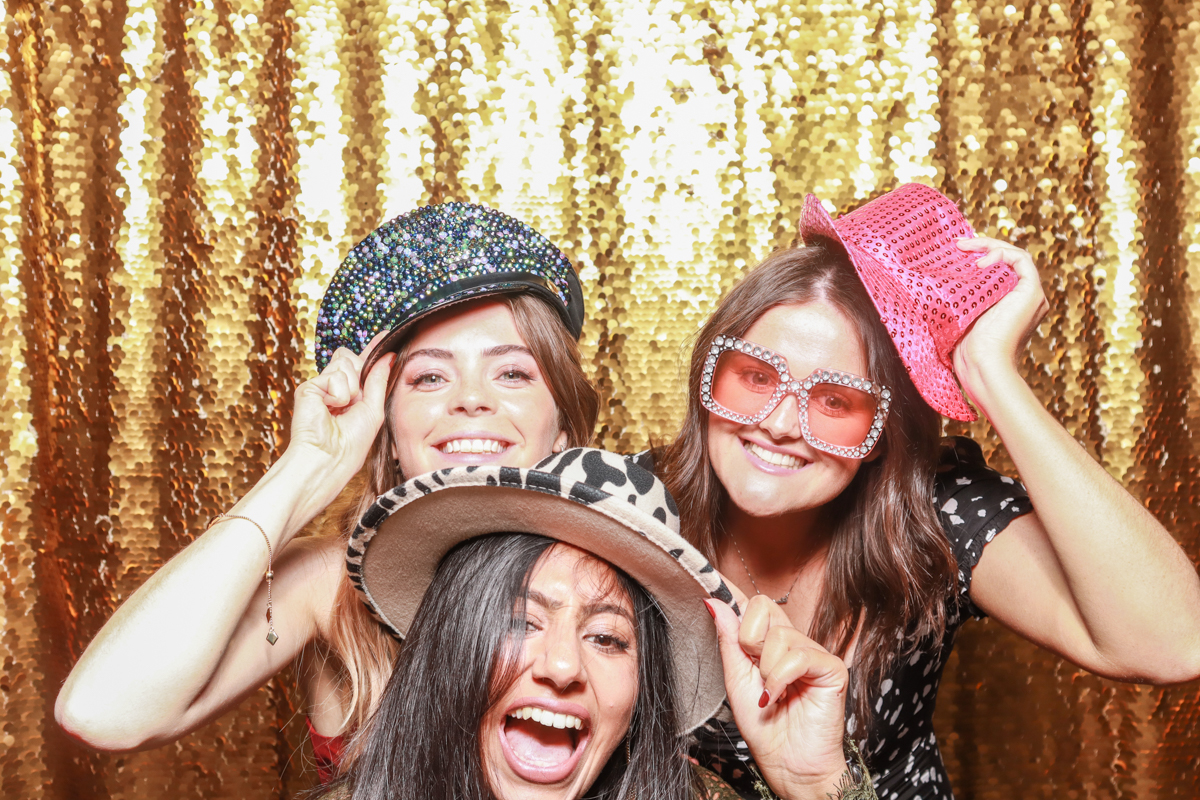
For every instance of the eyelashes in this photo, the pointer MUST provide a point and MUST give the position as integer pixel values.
(432, 378)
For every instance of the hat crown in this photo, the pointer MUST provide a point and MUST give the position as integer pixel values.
(927, 291)
(601, 473)
(433, 256)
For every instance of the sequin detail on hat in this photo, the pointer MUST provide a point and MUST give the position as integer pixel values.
(927, 291)
(434, 256)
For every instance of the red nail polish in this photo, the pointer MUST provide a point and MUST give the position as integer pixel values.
(766, 698)
(711, 613)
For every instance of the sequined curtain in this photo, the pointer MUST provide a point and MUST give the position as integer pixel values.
(178, 181)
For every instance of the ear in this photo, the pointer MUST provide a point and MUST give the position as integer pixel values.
(560, 442)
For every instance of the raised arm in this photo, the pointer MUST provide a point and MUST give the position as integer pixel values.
(191, 642)
(1091, 574)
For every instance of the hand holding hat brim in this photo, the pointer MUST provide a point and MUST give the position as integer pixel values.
(1000, 336)
(927, 290)
(788, 697)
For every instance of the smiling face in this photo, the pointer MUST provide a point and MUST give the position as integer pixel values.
(471, 392)
(569, 707)
(767, 468)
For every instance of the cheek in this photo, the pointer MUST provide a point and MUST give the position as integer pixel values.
(620, 695)
(408, 411)
(537, 414)
(722, 438)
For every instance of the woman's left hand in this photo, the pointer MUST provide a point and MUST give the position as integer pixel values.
(998, 338)
(788, 696)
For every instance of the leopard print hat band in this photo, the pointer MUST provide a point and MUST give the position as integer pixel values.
(592, 499)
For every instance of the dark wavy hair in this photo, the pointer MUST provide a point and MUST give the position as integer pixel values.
(890, 566)
(423, 742)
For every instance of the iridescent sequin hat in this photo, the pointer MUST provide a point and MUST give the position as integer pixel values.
(927, 291)
(433, 257)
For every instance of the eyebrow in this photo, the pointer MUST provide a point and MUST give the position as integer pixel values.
(589, 610)
(491, 352)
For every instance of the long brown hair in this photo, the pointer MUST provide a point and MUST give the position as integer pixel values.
(365, 652)
(890, 565)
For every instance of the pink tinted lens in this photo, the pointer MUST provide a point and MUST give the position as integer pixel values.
(743, 384)
(840, 415)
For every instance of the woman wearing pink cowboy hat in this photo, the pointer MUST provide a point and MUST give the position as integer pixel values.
(811, 446)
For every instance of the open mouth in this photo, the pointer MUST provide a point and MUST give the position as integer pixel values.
(473, 446)
(771, 457)
(543, 746)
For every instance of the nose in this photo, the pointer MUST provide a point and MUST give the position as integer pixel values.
(784, 420)
(472, 396)
(558, 661)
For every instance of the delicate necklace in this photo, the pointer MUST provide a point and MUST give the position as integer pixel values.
(780, 601)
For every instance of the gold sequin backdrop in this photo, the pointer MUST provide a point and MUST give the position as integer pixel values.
(179, 181)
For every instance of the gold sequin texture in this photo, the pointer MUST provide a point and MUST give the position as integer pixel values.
(179, 180)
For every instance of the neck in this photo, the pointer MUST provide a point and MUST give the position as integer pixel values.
(774, 548)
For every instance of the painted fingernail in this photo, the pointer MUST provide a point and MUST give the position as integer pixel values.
(711, 613)
(766, 698)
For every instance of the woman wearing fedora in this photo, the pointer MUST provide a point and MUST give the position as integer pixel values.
(466, 321)
(582, 629)
(810, 449)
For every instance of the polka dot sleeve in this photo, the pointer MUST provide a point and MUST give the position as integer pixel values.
(974, 503)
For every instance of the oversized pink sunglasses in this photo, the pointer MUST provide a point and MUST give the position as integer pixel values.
(840, 413)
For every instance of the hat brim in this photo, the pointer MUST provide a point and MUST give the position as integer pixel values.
(399, 558)
(938, 385)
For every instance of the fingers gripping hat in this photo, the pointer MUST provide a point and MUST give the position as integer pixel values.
(927, 291)
(592, 499)
(433, 257)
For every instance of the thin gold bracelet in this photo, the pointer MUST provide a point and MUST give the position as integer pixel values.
(272, 637)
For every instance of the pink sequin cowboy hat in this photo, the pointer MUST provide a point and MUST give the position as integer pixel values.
(927, 291)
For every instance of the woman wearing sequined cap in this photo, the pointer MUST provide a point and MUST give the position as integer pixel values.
(447, 338)
(810, 451)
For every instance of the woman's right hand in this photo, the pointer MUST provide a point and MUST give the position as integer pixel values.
(788, 697)
(337, 414)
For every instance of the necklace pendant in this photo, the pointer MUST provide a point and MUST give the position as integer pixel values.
(783, 600)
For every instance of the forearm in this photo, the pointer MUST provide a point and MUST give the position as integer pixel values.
(149, 673)
(1133, 588)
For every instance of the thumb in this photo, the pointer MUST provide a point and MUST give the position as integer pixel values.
(737, 665)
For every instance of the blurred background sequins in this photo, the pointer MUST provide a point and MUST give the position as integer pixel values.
(179, 182)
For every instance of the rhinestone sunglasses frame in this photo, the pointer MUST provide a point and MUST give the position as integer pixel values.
(800, 388)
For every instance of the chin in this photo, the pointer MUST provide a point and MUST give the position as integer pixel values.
(766, 505)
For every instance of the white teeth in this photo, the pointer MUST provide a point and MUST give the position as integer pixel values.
(547, 717)
(472, 446)
(778, 459)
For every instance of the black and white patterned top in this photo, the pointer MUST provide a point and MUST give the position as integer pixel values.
(974, 504)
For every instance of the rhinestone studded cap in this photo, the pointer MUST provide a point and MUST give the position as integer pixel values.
(927, 291)
(430, 258)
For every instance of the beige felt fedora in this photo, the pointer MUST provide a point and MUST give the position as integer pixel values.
(592, 499)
